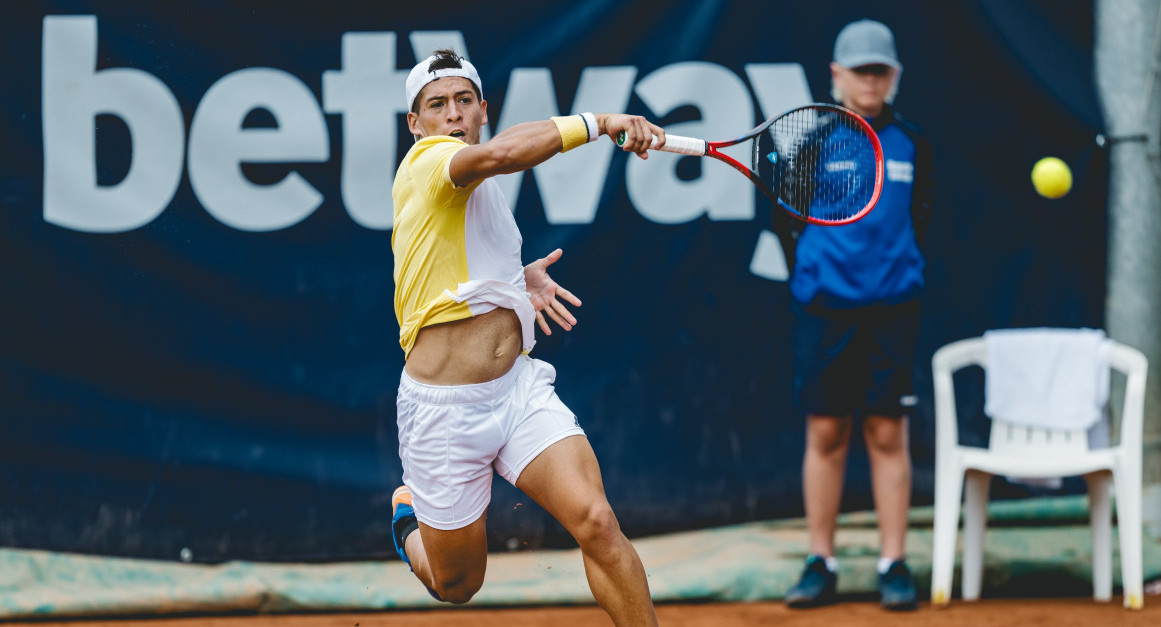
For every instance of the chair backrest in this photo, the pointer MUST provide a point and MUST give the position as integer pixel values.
(1007, 437)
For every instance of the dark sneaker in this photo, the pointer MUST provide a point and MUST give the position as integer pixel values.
(815, 587)
(897, 587)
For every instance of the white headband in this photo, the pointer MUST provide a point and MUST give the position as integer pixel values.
(420, 77)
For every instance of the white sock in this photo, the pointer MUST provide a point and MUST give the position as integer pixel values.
(831, 564)
(885, 564)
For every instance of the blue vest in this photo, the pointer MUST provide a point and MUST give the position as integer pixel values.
(874, 260)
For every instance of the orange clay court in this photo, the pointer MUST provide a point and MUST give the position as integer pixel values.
(985, 613)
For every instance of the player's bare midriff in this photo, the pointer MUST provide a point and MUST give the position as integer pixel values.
(473, 350)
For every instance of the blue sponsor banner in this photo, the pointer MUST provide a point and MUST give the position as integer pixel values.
(199, 347)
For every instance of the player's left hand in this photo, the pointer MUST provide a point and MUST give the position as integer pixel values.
(544, 293)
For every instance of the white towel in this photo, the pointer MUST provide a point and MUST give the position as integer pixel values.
(1049, 378)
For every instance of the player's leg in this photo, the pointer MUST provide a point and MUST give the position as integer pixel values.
(450, 563)
(550, 460)
(566, 480)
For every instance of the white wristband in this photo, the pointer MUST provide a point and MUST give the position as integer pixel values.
(591, 123)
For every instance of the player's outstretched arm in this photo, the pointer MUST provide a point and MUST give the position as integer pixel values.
(517, 148)
(528, 144)
(544, 293)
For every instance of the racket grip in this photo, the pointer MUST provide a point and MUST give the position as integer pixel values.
(675, 143)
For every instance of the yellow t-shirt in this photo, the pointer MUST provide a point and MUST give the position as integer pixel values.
(457, 249)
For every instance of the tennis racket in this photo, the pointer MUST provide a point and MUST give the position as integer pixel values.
(821, 163)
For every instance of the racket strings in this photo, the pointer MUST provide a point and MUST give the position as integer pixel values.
(821, 163)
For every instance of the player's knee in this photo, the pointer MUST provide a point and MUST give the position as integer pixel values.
(599, 528)
(458, 591)
(456, 596)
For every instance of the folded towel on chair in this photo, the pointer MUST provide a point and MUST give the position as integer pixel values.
(1047, 377)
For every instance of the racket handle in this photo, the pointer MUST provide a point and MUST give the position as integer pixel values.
(675, 143)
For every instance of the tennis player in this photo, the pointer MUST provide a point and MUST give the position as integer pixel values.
(470, 398)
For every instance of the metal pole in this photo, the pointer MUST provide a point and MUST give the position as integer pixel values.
(1128, 63)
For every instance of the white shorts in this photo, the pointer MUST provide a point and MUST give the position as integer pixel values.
(451, 437)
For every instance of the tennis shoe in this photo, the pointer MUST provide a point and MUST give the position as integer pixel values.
(403, 520)
(897, 588)
(817, 585)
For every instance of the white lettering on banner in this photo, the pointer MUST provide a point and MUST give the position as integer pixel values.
(779, 87)
(576, 179)
(367, 93)
(654, 187)
(73, 93)
(218, 146)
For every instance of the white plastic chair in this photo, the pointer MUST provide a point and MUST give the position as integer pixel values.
(1019, 451)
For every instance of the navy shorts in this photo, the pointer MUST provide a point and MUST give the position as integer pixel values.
(855, 361)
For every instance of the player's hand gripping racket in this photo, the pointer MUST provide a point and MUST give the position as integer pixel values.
(821, 163)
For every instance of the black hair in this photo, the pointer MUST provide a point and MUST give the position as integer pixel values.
(445, 58)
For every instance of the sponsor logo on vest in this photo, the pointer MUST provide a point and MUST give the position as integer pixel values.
(900, 171)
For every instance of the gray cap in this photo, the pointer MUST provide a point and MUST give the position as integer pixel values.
(866, 42)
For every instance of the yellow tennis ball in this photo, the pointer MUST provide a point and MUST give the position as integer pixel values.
(1051, 177)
